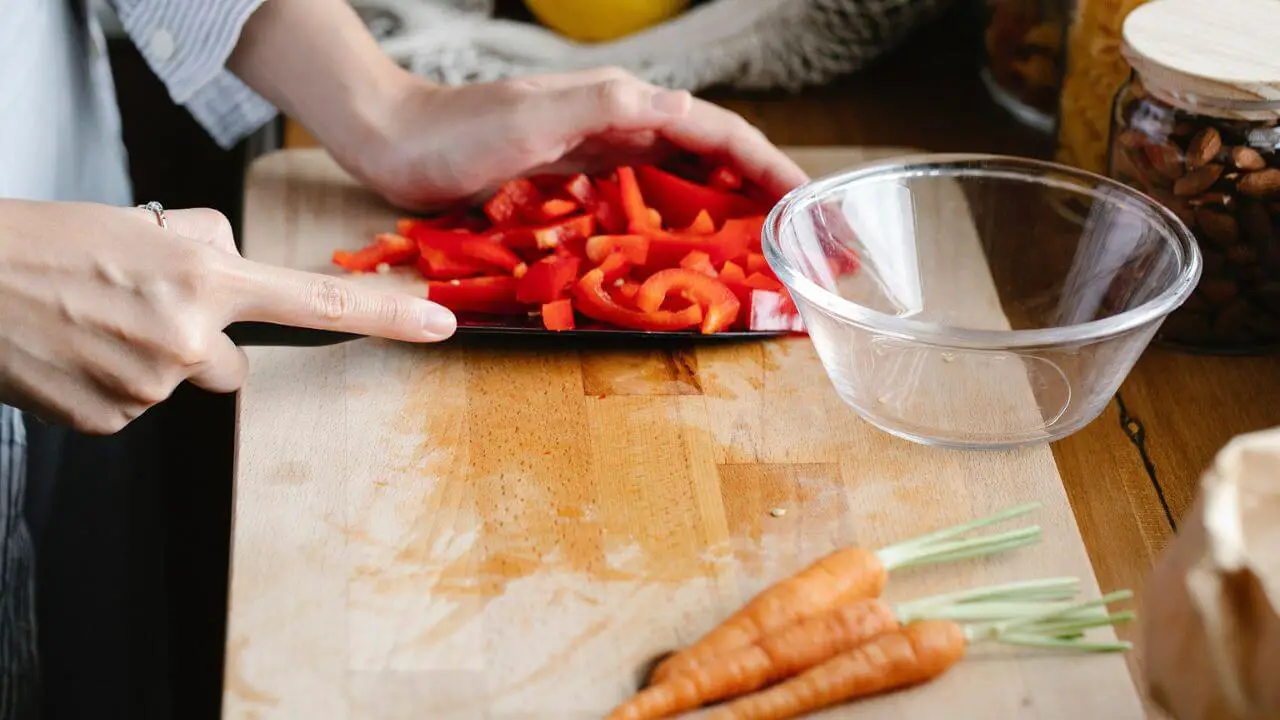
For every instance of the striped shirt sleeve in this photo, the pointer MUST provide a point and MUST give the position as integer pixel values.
(186, 43)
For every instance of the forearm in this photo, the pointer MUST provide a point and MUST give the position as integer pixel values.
(317, 63)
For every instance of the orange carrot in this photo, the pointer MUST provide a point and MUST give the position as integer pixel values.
(843, 576)
(809, 642)
(916, 653)
(912, 655)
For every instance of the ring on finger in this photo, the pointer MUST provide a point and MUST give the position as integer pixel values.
(156, 209)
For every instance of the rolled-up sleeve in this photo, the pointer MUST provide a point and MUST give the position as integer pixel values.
(187, 43)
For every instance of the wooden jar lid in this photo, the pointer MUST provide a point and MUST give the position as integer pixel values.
(1202, 54)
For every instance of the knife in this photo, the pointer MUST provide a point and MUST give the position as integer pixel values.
(258, 334)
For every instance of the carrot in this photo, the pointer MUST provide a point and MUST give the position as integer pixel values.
(912, 655)
(814, 640)
(842, 576)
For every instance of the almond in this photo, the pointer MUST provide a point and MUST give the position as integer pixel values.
(1247, 158)
(1198, 180)
(1203, 148)
(1260, 184)
(1218, 227)
(1212, 198)
(1165, 158)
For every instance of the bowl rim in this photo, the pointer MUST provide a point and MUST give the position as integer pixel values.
(970, 165)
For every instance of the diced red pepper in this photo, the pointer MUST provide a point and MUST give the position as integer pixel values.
(634, 247)
(608, 208)
(702, 224)
(513, 198)
(725, 178)
(757, 264)
(580, 188)
(388, 248)
(551, 210)
(594, 301)
(699, 262)
(558, 315)
(733, 240)
(732, 274)
(547, 279)
(680, 200)
(771, 311)
(582, 226)
(626, 290)
(614, 267)
(760, 281)
(436, 264)
(494, 295)
(720, 305)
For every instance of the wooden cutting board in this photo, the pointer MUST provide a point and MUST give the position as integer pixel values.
(499, 529)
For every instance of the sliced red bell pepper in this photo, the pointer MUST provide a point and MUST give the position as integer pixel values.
(436, 264)
(608, 207)
(614, 267)
(720, 305)
(594, 301)
(513, 198)
(680, 200)
(625, 290)
(699, 262)
(725, 178)
(464, 245)
(550, 210)
(633, 202)
(579, 188)
(701, 225)
(582, 226)
(757, 264)
(760, 281)
(731, 241)
(634, 247)
(494, 295)
(773, 312)
(388, 248)
(558, 315)
(732, 274)
(547, 279)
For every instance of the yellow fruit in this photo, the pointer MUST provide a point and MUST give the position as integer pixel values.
(602, 20)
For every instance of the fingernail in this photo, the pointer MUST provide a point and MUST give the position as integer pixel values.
(671, 102)
(437, 321)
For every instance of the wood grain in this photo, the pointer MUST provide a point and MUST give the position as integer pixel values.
(483, 530)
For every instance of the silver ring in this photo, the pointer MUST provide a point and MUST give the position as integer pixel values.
(158, 210)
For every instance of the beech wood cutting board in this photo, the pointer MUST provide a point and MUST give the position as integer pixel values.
(493, 529)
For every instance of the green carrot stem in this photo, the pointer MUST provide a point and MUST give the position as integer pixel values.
(955, 531)
(1067, 627)
(1059, 588)
(941, 552)
(1065, 643)
(1022, 623)
(987, 612)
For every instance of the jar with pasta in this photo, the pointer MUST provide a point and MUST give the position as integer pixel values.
(1095, 69)
(1197, 127)
(1023, 68)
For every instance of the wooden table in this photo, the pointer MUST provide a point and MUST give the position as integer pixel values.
(1132, 473)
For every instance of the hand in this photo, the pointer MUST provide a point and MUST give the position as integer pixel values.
(442, 143)
(103, 313)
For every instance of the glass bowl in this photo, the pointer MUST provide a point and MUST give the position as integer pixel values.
(978, 301)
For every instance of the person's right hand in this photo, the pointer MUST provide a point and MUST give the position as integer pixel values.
(103, 313)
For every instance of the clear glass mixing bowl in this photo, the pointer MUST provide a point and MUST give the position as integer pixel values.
(978, 301)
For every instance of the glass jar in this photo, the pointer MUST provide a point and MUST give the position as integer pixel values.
(1095, 70)
(1023, 70)
(1209, 150)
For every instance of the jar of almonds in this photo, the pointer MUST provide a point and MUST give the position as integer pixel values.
(1197, 127)
(1023, 70)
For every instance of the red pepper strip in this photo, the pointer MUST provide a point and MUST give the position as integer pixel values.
(436, 264)
(608, 207)
(701, 225)
(760, 281)
(513, 197)
(396, 249)
(547, 279)
(633, 206)
(582, 226)
(579, 188)
(725, 178)
(667, 249)
(494, 295)
(721, 305)
(757, 264)
(614, 267)
(550, 210)
(744, 231)
(626, 292)
(592, 300)
(472, 247)
(388, 248)
(634, 247)
(680, 200)
(363, 260)
(558, 315)
(699, 262)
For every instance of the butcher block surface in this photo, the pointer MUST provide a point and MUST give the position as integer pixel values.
(507, 528)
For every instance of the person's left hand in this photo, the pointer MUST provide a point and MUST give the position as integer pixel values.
(439, 144)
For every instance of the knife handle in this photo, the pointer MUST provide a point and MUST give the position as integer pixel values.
(258, 334)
